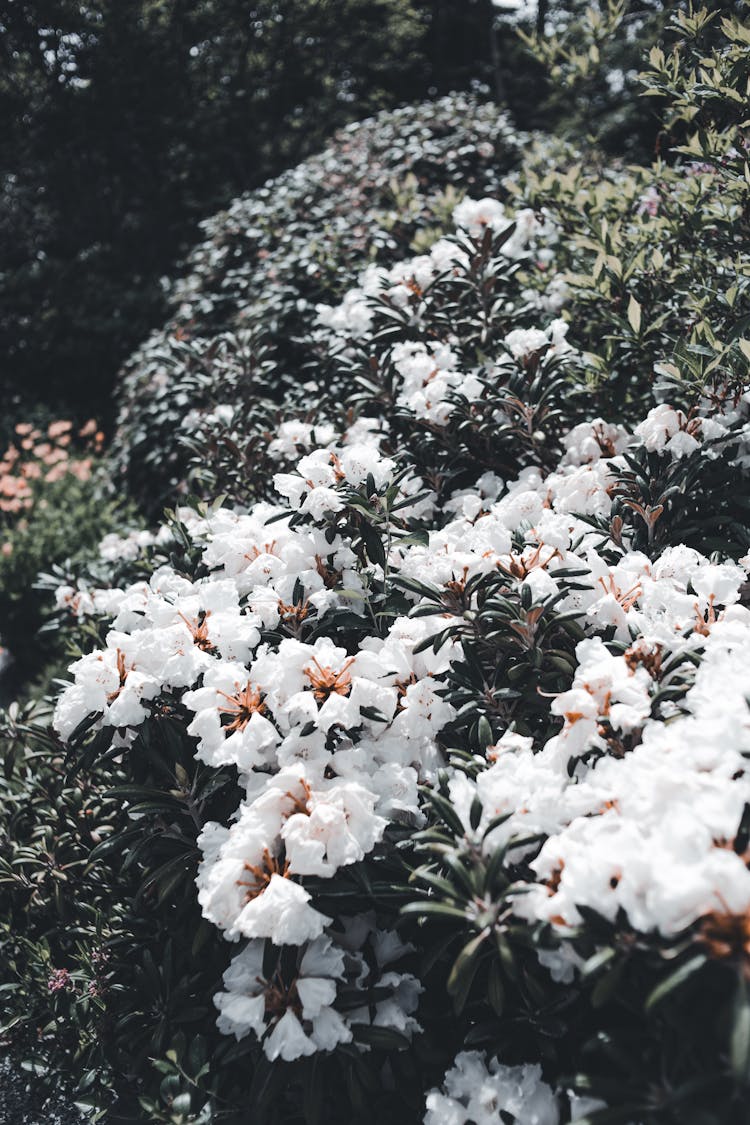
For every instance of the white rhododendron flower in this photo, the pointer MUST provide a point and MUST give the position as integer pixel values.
(523, 343)
(293, 1017)
(335, 827)
(591, 441)
(477, 1093)
(476, 215)
(669, 431)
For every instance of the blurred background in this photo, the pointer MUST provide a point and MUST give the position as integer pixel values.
(125, 122)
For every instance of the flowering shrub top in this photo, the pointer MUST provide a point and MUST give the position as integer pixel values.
(428, 740)
(653, 255)
(492, 692)
(244, 305)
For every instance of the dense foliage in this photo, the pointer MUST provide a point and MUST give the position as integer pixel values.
(127, 121)
(401, 773)
(50, 482)
(238, 338)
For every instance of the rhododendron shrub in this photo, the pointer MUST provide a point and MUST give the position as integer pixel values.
(417, 761)
(446, 743)
(242, 310)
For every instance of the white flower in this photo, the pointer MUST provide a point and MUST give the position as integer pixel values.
(590, 441)
(429, 375)
(666, 430)
(718, 583)
(523, 343)
(292, 1017)
(280, 912)
(114, 547)
(336, 827)
(661, 423)
(230, 718)
(106, 682)
(423, 712)
(478, 1093)
(561, 963)
(478, 215)
(353, 317)
(243, 885)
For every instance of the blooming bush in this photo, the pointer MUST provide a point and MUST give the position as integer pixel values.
(243, 307)
(418, 765)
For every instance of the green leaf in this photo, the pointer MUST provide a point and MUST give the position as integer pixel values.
(382, 1038)
(597, 962)
(484, 732)
(446, 812)
(674, 981)
(740, 1037)
(634, 315)
(623, 1115)
(607, 984)
(464, 970)
(373, 714)
(507, 958)
(440, 908)
(495, 989)
(181, 1103)
(312, 1102)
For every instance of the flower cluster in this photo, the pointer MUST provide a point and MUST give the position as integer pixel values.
(478, 1092)
(640, 836)
(331, 736)
(36, 457)
(434, 735)
(474, 1092)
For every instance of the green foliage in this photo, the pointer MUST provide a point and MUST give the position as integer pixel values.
(129, 120)
(58, 910)
(660, 286)
(108, 966)
(242, 313)
(590, 52)
(55, 508)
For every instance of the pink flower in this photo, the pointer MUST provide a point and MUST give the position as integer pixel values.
(59, 980)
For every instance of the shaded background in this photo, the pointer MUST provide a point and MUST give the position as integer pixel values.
(127, 121)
